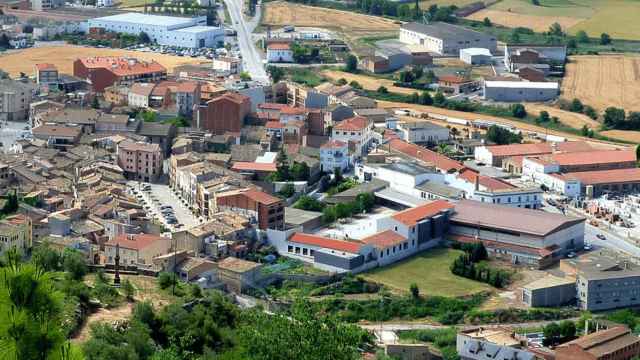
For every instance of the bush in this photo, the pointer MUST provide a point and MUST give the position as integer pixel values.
(166, 279)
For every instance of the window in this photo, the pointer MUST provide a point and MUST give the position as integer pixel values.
(304, 251)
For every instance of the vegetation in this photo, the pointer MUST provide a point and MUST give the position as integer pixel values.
(472, 265)
(363, 203)
(616, 118)
(443, 339)
(502, 136)
(290, 171)
(555, 333)
(276, 73)
(306, 202)
(351, 63)
(304, 76)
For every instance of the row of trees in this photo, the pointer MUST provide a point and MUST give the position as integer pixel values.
(471, 265)
(617, 118)
(577, 106)
(559, 333)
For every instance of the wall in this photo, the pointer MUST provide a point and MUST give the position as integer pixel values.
(519, 94)
(550, 296)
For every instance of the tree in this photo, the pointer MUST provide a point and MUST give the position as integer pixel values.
(567, 331)
(342, 81)
(590, 112)
(128, 290)
(582, 37)
(337, 176)
(556, 29)
(479, 253)
(415, 291)
(74, 264)
(543, 117)
(551, 334)
(605, 39)
(4, 41)
(356, 85)
(518, 110)
(439, 98)
(276, 73)
(414, 98)
(501, 136)
(165, 280)
(244, 76)
(144, 38)
(426, 99)
(487, 22)
(287, 190)
(300, 171)
(535, 2)
(584, 131)
(576, 106)
(306, 202)
(329, 214)
(514, 37)
(351, 63)
(614, 118)
(45, 258)
(282, 166)
(572, 44)
(383, 90)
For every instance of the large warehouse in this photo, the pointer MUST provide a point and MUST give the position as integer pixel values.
(443, 38)
(515, 91)
(165, 30)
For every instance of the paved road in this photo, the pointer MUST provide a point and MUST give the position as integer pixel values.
(252, 61)
(162, 195)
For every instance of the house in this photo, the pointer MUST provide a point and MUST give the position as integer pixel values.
(225, 113)
(375, 64)
(531, 73)
(279, 52)
(476, 56)
(334, 154)
(239, 275)
(58, 136)
(456, 85)
(117, 95)
(158, 133)
(358, 130)
(227, 65)
(140, 161)
(139, 94)
(113, 123)
(46, 74)
(102, 72)
(136, 250)
(616, 343)
(266, 210)
(16, 97)
(85, 119)
(518, 91)
(16, 232)
(422, 132)
(445, 39)
(496, 343)
(374, 115)
(424, 155)
(523, 236)
(187, 96)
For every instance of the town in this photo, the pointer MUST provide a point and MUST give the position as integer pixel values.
(327, 180)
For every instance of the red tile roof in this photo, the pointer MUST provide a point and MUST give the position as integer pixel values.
(538, 149)
(274, 125)
(122, 66)
(261, 197)
(331, 144)
(384, 239)
(143, 89)
(46, 67)
(453, 79)
(136, 241)
(616, 176)
(272, 106)
(188, 87)
(279, 46)
(590, 157)
(289, 110)
(57, 130)
(323, 242)
(351, 124)
(253, 166)
(235, 97)
(410, 217)
(486, 181)
(438, 160)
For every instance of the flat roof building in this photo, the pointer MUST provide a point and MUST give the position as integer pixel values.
(444, 38)
(517, 91)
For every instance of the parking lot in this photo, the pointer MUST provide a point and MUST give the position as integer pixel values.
(156, 197)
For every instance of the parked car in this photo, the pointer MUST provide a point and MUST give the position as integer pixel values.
(601, 237)
(587, 247)
(571, 255)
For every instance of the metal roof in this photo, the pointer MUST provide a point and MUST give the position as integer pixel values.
(521, 84)
(145, 19)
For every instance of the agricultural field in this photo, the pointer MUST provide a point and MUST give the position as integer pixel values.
(625, 135)
(430, 271)
(575, 120)
(459, 3)
(15, 62)
(603, 81)
(618, 18)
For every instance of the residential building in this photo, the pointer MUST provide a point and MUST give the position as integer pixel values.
(528, 197)
(158, 133)
(46, 74)
(16, 232)
(112, 123)
(356, 130)
(82, 118)
(267, 211)
(518, 91)
(454, 84)
(15, 97)
(476, 56)
(140, 161)
(445, 39)
(422, 132)
(523, 236)
(375, 115)
(300, 96)
(239, 275)
(58, 136)
(209, 238)
(334, 154)
(164, 30)
(616, 343)
(187, 96)
(227, 65)
(102, 72)
(139, 95)
(279, 52)
(424, 155)
(495, 343)
(117, 95)
(226, 113)
(136, 250)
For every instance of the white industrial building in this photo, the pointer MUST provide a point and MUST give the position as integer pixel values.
(164, 30)
(422, 132)
(443, 38)
(476, 56)
(516, 91)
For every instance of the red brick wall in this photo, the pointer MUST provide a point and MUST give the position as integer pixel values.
(222, 115)
(100, 78)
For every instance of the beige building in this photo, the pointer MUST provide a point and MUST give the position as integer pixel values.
(16, 232)
(237, 274)
(136, 249)
(141, 161)
(15, 97)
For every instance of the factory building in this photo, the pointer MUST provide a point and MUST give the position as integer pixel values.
(164, 30)
(516, 91)
(443, 38)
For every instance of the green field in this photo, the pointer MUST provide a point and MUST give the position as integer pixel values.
(618, 18)
(430, 271)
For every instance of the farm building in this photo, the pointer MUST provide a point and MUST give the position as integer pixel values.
(456, 85)
(515, 91)
(443, 38)
(476, 56)
(516, 56)
(164, 30)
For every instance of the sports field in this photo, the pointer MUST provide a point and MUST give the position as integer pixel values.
(430, 271)
(15, 62)
(603, 81)
(618, 18)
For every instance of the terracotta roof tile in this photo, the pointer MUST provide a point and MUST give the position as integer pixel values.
(410, 217)
(319, 241)
(122, 66)
(351, 124)
(274, 125)
(253, 166)
(439, 161)
(136, 241)
(279, 46)
(384, 239)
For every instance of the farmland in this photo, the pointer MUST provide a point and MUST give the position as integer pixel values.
(367, 82)
(618, 18)
(625, 135)
(430, 271)
(18, 61)
(603, 81)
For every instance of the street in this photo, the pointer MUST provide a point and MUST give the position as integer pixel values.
(252, 61)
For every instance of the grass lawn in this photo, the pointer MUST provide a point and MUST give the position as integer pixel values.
(430, 271)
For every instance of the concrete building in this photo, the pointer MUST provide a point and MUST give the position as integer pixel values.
(140, 161)
(139, 94)
(616, 343)
(334, 154)
(357, 130)
(15, 97)
(136, 249)
(43, 5)
(476, 56)
(528, 198)
(239, 275)
(596, 160)
(517, 91)
(58, 136)
(16, 232)
(445, 39)
(265, 210)
(517, 55)
(424, 155)
(164, 30)
(593, 183)
(46, 74)
(523, 236)
(279, 53)
(550, 291)
(453, 84)
(225, 113)
(102, 72)
(187, 96)
(227, 65)
(422, 132)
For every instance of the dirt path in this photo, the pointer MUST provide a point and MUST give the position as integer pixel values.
(121, 312)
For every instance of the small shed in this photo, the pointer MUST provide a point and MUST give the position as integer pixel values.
(476, 56)
(550, 291)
